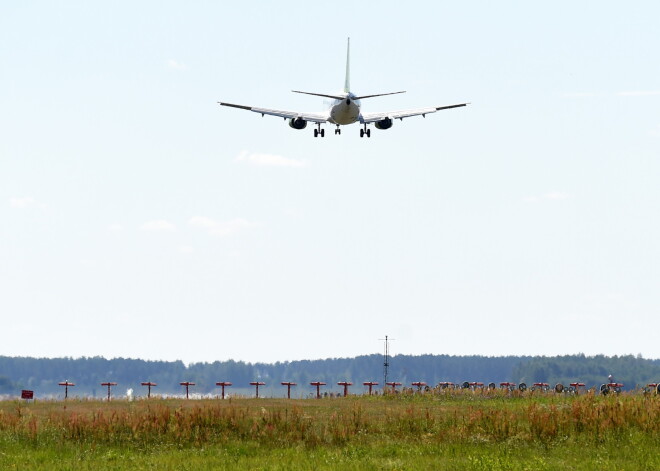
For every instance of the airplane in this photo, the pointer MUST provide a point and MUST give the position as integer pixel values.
(344, 110)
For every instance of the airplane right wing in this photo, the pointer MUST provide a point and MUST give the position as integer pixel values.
(367, 118)
(313, 117)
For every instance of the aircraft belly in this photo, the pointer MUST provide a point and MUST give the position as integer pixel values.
(343, 114)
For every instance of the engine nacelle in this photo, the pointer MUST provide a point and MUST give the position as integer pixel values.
(384, 123)
(297, 123)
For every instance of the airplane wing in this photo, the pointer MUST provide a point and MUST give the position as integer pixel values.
(313, 117)
(367, 118)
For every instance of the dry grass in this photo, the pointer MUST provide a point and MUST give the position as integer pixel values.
(438, 418)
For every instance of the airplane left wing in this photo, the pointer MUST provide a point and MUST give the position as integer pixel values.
(367, 118)
(313, 117)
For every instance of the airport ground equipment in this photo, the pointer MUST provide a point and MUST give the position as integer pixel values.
(575, 388)
(370, 384)
(607, 388)
(288, 385)
(109, 385)
(540, 387)
(508, 385)
(223, 384)
(187, 384)
(394, 384)
(149, 385)
(652, 388)
(66, 385)
(256, 384)
(345, 384)
(318, 385)
(418, 384)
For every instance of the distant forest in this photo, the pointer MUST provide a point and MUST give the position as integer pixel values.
(43, 374)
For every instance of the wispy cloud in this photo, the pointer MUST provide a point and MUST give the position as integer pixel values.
(24, 202)
(655, 132)
(158, 225)
(172, 64)
(268, 160)
(639, 93)
(578, 94)
(556, 195)
(552, 196)
(221, 228)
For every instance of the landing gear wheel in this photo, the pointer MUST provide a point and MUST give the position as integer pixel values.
(316, 133)
(361, 132)
(368, 132)
(322, 132)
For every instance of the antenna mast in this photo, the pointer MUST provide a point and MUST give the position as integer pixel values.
(386, 359)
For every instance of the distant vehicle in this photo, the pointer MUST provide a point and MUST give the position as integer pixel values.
(344, 110)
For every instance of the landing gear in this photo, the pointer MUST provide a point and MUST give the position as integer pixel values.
(365, 131)
(318, 131)
(337, 131)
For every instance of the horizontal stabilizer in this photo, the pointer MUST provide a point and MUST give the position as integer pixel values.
(335, 97)
(380, 94)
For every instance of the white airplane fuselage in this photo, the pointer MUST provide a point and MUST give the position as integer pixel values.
(346, 111)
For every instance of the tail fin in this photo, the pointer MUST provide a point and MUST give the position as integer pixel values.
(347, 82)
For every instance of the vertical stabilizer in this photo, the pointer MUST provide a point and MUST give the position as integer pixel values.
(347, 83)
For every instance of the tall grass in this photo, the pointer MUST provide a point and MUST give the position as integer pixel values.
(441, 418)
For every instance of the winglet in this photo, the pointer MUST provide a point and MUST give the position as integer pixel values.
(347, 82)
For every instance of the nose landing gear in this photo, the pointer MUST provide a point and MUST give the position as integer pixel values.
(337, 131)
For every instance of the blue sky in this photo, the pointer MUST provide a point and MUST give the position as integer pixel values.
(140, 219)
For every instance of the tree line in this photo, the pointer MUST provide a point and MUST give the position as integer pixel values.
(43, 374)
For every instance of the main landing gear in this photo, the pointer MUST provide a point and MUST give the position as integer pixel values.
(318, 131)
(337, 131)
(365, 131)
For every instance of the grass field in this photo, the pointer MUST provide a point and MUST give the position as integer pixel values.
(448, 430)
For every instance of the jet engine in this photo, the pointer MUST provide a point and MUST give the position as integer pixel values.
(297, 123)
(383, 123)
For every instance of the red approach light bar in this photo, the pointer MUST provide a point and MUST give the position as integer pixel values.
(371, 384)
(257, 384)
(149, 385)
(419, 384)
(109, 385)
(394, 384)
(187, 384)
(223, 384)
(318, 385)
(66, 385)
(288, 385)
(346, 384)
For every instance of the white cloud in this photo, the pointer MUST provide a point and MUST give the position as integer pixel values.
(639, 93)
(158, 225)
(655, 132)
(556, 195)
(172, 64)
(186, 249)
(115, 228)
(23, 202)
(221, 228)
(578, 94)
(268, 160)
(553, 196)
